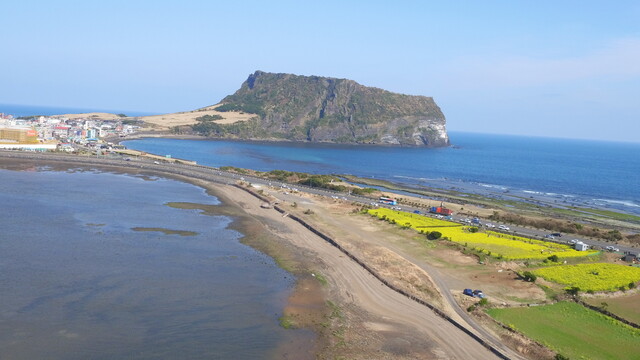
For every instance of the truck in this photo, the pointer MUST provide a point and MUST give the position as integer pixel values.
(441, 210)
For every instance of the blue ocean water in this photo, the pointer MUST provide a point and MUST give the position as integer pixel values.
(30, 110)
(596, 173)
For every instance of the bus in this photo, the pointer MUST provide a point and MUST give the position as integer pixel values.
(388, 201)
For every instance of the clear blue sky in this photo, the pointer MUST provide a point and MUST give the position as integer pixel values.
(543, 68)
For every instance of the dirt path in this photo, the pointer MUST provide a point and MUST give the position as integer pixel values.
(355, 286)
(357, 230)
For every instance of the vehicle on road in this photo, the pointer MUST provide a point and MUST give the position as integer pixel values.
(388, 200)
(440, 210)
(490, 225)
(503, 227)
(556, 235)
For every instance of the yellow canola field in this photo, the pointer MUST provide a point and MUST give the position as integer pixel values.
(592, 277)
(491, 243)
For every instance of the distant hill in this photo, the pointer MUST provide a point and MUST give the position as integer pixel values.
(323, 109)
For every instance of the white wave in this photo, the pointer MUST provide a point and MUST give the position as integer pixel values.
(499, 187)
(418, 178)
(628, 203)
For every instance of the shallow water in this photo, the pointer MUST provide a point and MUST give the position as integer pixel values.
(79, 279)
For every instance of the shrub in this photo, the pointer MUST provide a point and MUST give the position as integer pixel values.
(553, 258)
(574, 290)
(434, 235)
(529, 276)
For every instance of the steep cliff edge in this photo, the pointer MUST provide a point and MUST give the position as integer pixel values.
(322, 109)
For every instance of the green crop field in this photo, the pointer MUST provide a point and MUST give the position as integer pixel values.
(495, 244)
(592, 277)
(573, 330)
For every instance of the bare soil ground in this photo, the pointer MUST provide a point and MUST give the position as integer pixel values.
(166, 121)
(459, 271)
(366, 320)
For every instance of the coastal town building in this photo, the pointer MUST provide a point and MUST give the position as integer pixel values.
(58, 132)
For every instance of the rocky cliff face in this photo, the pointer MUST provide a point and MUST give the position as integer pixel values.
(321, 109)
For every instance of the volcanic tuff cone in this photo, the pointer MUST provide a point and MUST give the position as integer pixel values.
(322, 109)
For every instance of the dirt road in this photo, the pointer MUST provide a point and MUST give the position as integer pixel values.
(355, 285)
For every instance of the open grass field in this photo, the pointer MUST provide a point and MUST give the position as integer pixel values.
(573, 331)
(627, 307)
(592, 277)
(501, 246)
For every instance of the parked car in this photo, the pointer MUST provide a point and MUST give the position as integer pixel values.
(549, 236)
(503, 227)
(478, 293)
(556, 235)
(489, 225)
(474, 293)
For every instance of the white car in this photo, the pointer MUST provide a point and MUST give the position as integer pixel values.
(490, 225)
(503, 227)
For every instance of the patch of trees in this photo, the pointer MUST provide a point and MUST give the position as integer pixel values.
(206, 118)
(363, 191)
(251, 107)
(209, 128)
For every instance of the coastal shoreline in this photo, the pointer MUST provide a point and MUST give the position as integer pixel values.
(510, 196)
(351, 288)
